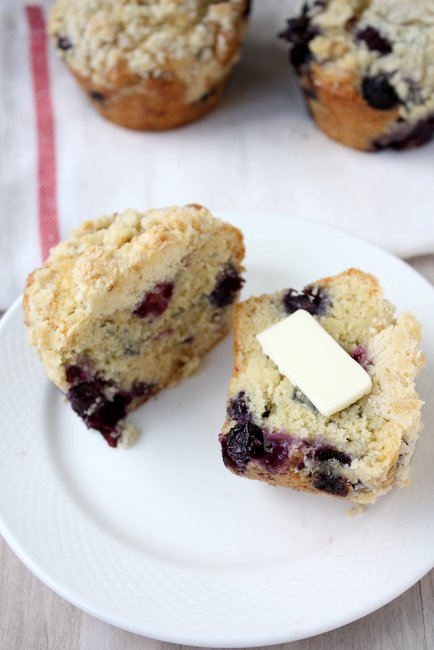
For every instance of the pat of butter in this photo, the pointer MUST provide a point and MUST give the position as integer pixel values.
(312, 360)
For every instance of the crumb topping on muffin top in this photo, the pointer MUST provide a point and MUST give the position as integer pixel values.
(115, 41)
(388, 43)
(107, 259)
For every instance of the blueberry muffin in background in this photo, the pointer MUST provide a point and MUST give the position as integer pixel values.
(150, 64)
(367, 69)
(129, 305)
(273, 433)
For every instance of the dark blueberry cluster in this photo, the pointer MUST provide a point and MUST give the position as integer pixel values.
(89, 402)
(228, 285)
(88, 398)
(299, 32)
(313, 299)
(247, 441)
(379, 92)
(374, 40)
(156, 301)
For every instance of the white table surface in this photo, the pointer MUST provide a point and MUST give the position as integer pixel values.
(32, 617)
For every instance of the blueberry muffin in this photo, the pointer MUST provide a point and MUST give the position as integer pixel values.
(273, 433)
(129, 305)
(367, 69)
(150, 65)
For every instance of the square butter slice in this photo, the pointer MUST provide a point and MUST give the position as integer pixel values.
(314, 362)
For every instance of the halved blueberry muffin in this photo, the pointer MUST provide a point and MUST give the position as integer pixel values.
(274, 433)
(129, 305)
(366, 69)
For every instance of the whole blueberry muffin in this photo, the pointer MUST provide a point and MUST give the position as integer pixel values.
(274, 433)
(367, 69)
(151, 65)
(129, 305)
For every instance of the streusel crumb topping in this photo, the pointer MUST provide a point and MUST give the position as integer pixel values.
(103, 40)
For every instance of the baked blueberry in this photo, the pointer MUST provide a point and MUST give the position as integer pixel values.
(228, 286)
(101, 404)
(243, 443)
(276, 448)
(326, 452)
(63, 43)
(374, 40)
(75, 374)
(313, 299)
(338, 486)
(379, 92)
(237, 408)
(97, 97)
(156, 301)
(299, 33)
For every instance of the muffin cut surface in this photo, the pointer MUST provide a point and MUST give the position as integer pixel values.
(129, 305)
(273, 433)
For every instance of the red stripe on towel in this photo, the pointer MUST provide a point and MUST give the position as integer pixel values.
(47, 175)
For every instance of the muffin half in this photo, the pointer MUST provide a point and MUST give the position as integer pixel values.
(129, 305)
(273, 433)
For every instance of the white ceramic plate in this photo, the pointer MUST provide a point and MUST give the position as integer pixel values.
(161, 539)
